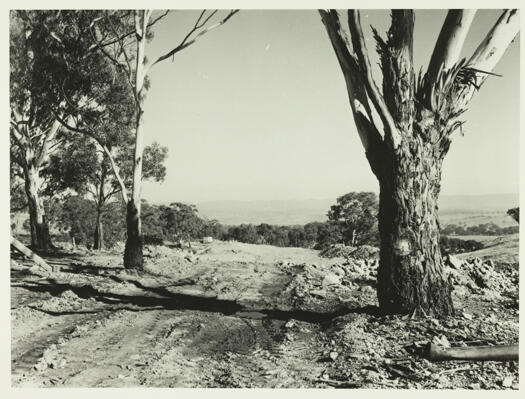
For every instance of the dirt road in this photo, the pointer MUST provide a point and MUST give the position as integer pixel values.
(231, 315)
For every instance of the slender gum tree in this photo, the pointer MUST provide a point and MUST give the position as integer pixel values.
(126, 48)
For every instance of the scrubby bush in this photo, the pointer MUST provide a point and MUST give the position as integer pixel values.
(483, 229)
(451, 245)
(153, 240)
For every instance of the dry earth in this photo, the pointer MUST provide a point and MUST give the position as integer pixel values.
(227, 314)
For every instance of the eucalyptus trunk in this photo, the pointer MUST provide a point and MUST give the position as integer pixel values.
(134, 242)
(98, 235)
(418, 115)
(133, 250)
(39, 227)
(411, 273)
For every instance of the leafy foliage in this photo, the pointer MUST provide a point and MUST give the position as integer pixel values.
(355, 214)
(77, 216)
(451, 245)
(485, 229)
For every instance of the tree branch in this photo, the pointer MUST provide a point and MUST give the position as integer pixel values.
(485, 58)
(111, 193)
(124, 35)
(30, 254)
(13, 131)
(355, 86)
(127, 70)
(186, 42)
(396, 56)
(492, 48)
(358, 42)
(449, 42)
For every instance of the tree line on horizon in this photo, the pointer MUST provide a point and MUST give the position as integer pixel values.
(351, 221)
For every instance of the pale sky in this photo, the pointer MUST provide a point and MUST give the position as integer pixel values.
(258, 110)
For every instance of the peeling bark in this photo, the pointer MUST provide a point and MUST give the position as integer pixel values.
(418, 118)
(411, 273)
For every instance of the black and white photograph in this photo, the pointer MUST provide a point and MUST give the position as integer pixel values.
(310, 198)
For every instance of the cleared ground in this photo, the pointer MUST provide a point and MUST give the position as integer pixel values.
(238, 315)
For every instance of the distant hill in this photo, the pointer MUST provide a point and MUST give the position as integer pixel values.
(271, 212)
(471, 209)
(492, 202)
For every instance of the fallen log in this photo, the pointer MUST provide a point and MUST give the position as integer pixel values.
(30, 254)
(499, 352)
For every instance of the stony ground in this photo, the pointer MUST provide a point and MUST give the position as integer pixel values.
(239, 315)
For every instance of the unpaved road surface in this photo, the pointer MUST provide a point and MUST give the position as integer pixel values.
(238, 315)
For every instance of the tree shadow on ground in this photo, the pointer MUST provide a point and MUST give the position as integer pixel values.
(160, 297)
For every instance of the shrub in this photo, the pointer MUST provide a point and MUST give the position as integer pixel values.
(451, 245)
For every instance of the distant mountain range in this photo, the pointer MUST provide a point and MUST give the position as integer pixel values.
(290, 212)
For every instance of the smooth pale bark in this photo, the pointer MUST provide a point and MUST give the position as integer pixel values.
(34, 146)
(355, 86)
(39, 227)
(133, 250)
(450, 41)
(492, 48)
(358, 42)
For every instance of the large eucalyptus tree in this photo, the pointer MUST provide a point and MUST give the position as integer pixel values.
(406, 147)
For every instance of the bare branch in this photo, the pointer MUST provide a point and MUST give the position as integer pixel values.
(492, 48)
(126, 68)
(361, 52)
(355, 87)
(30, 254)
(138, 28)
(120, 38)
(396, 56)
(450, 42)
(186, 42)
(158, 18)
(485, 58)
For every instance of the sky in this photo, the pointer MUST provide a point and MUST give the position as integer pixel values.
(258, 110)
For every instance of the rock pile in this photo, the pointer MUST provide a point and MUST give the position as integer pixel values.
(479, 276)
(161, 259)
(66, 301)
